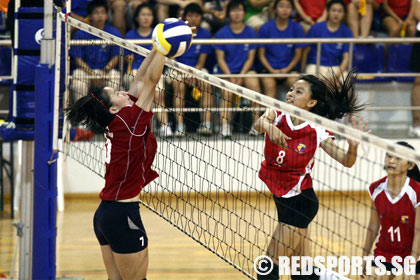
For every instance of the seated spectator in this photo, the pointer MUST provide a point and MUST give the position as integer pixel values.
(97, 60)
(257, 12)
(280, 58)
(195, 57)
(144, 20)
(399, 18)
(119, 8)
(335, 56)
(214, 14)
(173, 8)
(310, 12)
(235, 59)
(414, 130)
(360, 16)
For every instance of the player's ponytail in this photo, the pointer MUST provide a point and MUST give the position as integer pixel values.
(91, 111)
(415, 172)
(336, 96)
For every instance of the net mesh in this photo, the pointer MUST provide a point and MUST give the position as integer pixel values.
(208, 185)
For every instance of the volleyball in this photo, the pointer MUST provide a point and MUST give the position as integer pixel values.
(172, 37)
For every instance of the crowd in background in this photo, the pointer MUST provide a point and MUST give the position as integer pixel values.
(239, 19)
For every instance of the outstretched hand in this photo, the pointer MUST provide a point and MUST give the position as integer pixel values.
(278, 137)
(360, 125)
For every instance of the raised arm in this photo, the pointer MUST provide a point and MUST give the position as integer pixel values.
(144, 83)
(265, 124)
(415, 252)
(347, 159)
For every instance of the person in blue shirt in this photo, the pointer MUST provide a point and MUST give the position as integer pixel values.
(95, 63)
(144, 20)
(79, 9)
(280, 58)
(196, 56)
(235, 59)
(335, 56)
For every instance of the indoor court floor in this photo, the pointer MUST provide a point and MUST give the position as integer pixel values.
(173, 255)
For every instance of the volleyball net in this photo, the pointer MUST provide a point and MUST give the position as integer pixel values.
(208, 186)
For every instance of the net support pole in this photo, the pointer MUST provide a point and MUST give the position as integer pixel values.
(45, 160)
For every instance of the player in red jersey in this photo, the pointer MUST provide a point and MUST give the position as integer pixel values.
(290, 146)
(130, 151)
(396, 211)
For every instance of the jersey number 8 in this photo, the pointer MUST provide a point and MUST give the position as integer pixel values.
(280, 158)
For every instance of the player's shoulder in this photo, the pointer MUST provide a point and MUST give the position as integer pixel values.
(132, 34)
(110, 29)
(377, 185)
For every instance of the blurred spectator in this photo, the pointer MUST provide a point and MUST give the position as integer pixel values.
(257, 12)
(399, 18)
(214, 16)
(195, 57)
(119, 8)
(173, 8)
(235, 59)
(79, 9)
(310, 12)
(360, 16)
(414, 130)
(144, 20)
(335, 56)
(281, 58)
(96, 60)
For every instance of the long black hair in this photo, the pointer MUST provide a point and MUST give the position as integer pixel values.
(415, 172)
(91, 110)
(336, 96)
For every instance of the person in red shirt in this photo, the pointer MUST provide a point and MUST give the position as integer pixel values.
(396, 211)
(310, 12)
(399, 17)
(290, 146)
(125, 118)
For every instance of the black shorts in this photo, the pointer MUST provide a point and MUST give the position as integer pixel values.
(389, 266)
(299, 210)
(415, 56)
(119, 225)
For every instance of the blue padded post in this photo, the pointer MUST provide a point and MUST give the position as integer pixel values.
(45, 177)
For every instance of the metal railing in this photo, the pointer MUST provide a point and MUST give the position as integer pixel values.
(317, 41)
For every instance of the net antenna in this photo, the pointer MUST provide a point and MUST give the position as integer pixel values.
(209, 187)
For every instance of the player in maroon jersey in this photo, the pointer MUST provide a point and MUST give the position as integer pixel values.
(130, 151)
(290, 145)
(396, 211)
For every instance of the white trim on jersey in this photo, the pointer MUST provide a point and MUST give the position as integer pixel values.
(133, 134)
(406, 189)
(292, 126)
(296, 189)
(129, 149)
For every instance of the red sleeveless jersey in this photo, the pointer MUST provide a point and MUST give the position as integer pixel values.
(286, 171)
(397, 217)
(130, 151)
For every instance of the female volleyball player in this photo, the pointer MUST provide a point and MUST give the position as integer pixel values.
(396, 209)
(130, 151)
(290, 145)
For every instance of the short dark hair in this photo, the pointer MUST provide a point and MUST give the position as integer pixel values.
(278, 1)
(95, 4)
(138, 10)
(91, 110)
(332, 2)
(234, 4)
(336, 96)
(193, 8)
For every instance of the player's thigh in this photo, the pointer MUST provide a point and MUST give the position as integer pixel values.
(134, 265)
(253, 82)
(390, 24)
(110, 265)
